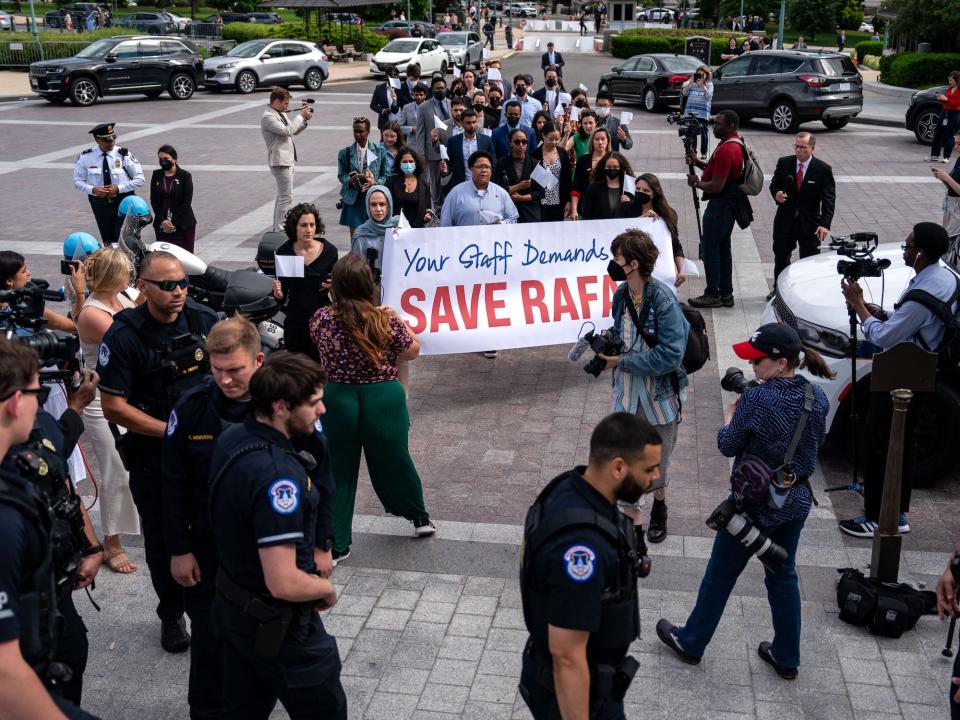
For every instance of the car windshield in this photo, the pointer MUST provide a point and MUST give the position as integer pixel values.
(681, 63)
(248, 49)
(401, 46)
(97, 49)
(452, 38)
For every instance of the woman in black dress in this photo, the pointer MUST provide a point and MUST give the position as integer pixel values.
(302, 297)
(410, 192)
(605, 198)
(171, 198)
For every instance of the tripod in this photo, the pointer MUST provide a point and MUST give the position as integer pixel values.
(688, 148)
(855, 484)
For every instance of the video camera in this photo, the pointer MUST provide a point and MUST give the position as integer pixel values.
(26, 306)
(859, 247)
(602, 343)
(688, 128)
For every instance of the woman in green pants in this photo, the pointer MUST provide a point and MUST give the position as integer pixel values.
(360, 345)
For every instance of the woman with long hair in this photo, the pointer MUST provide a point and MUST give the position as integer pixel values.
(409, 189)
(470, 81)
(605, 197)
(555, 204)
(947, 123)
(653, 203)
(698, 91)
(108, 273)
(391, 139)
(597, 148)
(540, 119)
(360, 343)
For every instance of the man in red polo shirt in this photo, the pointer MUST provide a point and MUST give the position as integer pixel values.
(721, 176)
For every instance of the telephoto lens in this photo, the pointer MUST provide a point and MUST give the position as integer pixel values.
(734, 381)
(726, 516)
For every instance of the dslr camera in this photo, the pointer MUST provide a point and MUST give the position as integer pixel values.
(859, 247)
(734, 381)
(53, 348)
(729, 516)
(603, 343)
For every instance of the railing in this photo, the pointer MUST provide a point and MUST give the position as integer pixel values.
(20, 53)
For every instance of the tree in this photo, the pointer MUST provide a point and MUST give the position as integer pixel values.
(933, 21)
(762, 8)
(850, 14)
(813, 16)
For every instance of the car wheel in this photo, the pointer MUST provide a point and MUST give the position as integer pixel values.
(443, 67)
(153, 93)
(650, 98)
(925, 125)
(783, 117)
(936, 435)
(313, 80)
(83, 92)
(246, 82)
(835, 123)
(181, 86)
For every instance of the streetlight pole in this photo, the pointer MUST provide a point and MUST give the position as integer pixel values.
(783, 11)
(33, 27)
(740, 20)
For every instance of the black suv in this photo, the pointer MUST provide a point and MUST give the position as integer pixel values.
(790, 87)
(923, 113)
(55, 19)
(121, 65)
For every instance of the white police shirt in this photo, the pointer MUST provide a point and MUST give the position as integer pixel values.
(125, 170)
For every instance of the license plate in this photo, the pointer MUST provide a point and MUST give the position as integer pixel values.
(842, 87)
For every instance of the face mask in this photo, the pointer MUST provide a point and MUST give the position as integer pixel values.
(438, 95)
(458, 92)
(616, 272)
(478, 108)
(495, 102)
(611, 173)
(166, 164)
(603, 111)
(408, 167)
(643, 198)
(551, 82)
(521, 91)
(513, 121)
(579, 103)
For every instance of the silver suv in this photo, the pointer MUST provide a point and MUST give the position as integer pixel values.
(267, 62)
(790, 87)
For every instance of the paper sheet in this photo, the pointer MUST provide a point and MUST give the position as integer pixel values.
(578, 42)
(494, 74)
(558, 111)
(439, 124)
(444, 155)
(486, 53)
(289, 265)
(690, 267)
(543, 177)
(538, 43)
(456, 71)
(583, 87)
(489, 217)
(371, 157)
(403, 223)
(565, 98)
(626, 118)
(394, 82)
(629, 185)
(574, 113)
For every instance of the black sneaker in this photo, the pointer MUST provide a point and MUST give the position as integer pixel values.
(338, 556)
(174, 637)
(657, 532)
(859, 527)
(667, 632)
(787, 673)
(706, 301)
(727, 300)
(422, 528)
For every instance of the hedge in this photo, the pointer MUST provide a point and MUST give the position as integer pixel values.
(916, 70)
(241, 32)
(64, 37)
(869, 47)
(662, 41)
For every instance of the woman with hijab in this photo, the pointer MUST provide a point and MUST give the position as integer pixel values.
(368, 238)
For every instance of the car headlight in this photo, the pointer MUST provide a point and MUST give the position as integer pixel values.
(913, 99)
(824, 340)
(54, 70)
(226, 66)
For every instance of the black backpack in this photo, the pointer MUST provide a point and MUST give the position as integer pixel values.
(887, 609)
(948, 354)
(697, 352)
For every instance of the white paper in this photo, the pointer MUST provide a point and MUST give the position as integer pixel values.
(403, 223)
(538, 43)
(486, 53)
(394, 82)
(574, 113)
(565, 98)
(487, 131)
(439, 124)
(626, 117)
(444, 155)
(583, 87)
(543, 177)
(456, 71)
(289, 265)
(578, 42)
(690, 267)
(629, 185)
(558, 111)
(494, 74)
(371, 157)
(489, 217)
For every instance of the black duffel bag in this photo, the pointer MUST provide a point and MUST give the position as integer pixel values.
(887, 609)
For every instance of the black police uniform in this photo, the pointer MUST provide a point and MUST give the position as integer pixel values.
(263, 495)
(151, 364)
(579, 572)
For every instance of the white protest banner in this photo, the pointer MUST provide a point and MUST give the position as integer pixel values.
(467, 289)
(543, 177)
(626, 118)
(439, 124)
(289, 266)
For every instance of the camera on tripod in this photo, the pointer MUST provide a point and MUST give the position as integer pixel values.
(859, 247)
(688, 128)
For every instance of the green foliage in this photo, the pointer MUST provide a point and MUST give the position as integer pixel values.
(650, 40)
(351, 34)
(916, 70)
(850, 14)
(869, 47)
(933, 21)
(871, 61)
(69, 40)
(731, 8)
(813, 16)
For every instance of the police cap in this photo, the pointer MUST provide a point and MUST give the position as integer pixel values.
(104, 131)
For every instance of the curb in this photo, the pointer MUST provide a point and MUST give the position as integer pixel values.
(881, 122)
(891, 90)
(17, 98)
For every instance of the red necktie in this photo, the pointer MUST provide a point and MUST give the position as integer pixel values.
(799, 177)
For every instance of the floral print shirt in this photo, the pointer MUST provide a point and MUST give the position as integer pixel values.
(344, 361)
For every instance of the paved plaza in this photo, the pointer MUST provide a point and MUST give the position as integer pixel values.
(432, 629)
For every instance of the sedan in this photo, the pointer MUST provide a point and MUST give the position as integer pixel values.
(6, 21)
(923, 114)
(154, 23)
(267, 62)
(180, 21)
(265, 18)
(653, 80)
(399, 53)
(464, 48)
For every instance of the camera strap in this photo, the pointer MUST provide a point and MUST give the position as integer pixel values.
(652, 340)
(787, 467)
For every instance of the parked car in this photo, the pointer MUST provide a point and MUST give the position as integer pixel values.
(923, 113)
(656, 15)
(790, 87)
(522, 9)
(265, 18)
(653, 80)
(154, 23)
(397, 53)
(463, 48)
(809, 299)
(6, 21)
(405, 28)
(180, 21)
(267, 62)
(345, 18)
(121, 65)
(866, 27)
(228, 17)
(54, 19)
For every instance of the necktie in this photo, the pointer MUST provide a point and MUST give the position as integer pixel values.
(799, 176)
(441, 109)
(107, 180)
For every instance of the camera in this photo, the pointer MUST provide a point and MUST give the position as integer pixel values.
(734, 381)
(727, 516)
(859, 247)
(372, 256)
(698, 76)
(54, 347)
(688, 128)
(65, 266)
(604, 343)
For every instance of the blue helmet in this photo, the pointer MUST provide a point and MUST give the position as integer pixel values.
(78, 245)
(135, 204)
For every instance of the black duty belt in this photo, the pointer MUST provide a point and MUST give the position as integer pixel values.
(110, 200)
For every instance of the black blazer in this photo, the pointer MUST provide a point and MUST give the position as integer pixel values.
(545, 62)
(505, 175)
(581, 174)
(395, 185)
(813, 206)
(566, 175)
(455, 151)
(596, 204)
(381, 101)
(183, 217)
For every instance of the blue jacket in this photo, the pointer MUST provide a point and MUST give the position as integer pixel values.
(347, 162)
(455, 151)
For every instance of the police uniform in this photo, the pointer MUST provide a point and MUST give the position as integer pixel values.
(151, 364)
(263, 495)
(96, 168)
(579, 572)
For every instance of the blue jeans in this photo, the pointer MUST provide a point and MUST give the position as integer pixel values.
(717, 256)
(727, 561)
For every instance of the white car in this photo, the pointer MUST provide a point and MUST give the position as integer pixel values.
(866, 27)
(400, 52)
(809, 299)
(522, 9)
(181, 21)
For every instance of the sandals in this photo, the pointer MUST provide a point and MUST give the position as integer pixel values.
(118, 561)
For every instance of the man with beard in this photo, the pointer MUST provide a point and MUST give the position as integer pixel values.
(578, 577)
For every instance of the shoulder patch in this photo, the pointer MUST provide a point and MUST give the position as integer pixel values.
(284, 496)
(123, 151)
(103, 357)
(580, 563)
(172, 423)
(88, 150)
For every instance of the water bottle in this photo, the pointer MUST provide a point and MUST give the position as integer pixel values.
(169, 219)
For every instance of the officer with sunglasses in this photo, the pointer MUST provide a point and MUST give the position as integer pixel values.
(149, 357)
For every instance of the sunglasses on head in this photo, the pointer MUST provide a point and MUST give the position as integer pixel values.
(42, 393)
(168, 285)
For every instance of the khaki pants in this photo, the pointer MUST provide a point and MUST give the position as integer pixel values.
(284, 177)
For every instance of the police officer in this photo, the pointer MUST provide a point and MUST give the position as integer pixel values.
(27, 636)
(106, 174)
(263, 508)
(149, 356)
(578, 577)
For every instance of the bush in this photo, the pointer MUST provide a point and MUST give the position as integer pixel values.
(870, 47)
(916, 70)
(241, 32)
(872, 61)
(638, 42)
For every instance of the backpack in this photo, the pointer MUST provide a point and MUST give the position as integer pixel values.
(752, 181)
(697, 351)
(887, 609)
(948, 354)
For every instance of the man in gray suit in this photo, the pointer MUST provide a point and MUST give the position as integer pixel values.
(410, 112)
(619, 134)
(428, 137)
(278, 134)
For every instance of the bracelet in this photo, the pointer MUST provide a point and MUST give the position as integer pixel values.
(94, 550)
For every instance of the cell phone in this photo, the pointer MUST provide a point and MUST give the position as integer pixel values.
(65, 266)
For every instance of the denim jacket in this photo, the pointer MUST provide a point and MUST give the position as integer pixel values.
(666, 321)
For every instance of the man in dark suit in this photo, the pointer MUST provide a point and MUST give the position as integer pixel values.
(805, 193)
(549, 94)
(501, 136)
(427, 136)
(550, 57)
(461, 146)
(387, 100)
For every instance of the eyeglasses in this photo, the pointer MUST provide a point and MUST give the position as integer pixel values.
(168, 285)
(42, 393)
(519, 142)
(483, 168)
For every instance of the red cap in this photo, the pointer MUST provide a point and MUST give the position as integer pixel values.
(774, 340)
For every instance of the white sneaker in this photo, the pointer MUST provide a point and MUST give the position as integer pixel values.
(944, 160)
(931, 158)
(422, 528)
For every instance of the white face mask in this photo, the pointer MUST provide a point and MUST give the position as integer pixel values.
(603, 111)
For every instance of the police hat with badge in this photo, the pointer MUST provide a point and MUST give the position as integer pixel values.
(105, 132)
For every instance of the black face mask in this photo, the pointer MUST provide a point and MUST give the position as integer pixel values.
(439, 95)
(513, 121)
(579, 103)
(616, 272)
(478, 108)
(643, 198)
(521, 90)
(611, 173)
(495, 102)
(166, 164)
(551, 82)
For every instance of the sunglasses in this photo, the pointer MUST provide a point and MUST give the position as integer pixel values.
(168, 285)
(42, 393)
(519, 142)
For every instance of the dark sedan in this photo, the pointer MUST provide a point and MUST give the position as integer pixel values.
(923, 113)
(652, 80)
